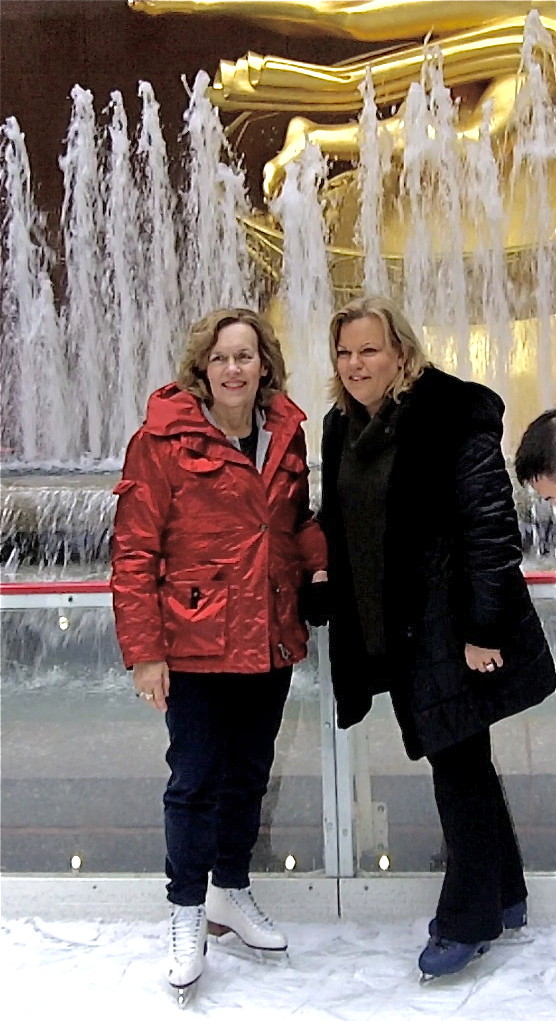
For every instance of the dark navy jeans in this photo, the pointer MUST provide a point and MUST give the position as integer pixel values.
(222, 729)
(484, 872)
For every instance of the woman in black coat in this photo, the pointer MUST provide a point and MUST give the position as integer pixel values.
(428, 599)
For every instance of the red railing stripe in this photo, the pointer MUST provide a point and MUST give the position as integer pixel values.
(32, 588)
(36, 587)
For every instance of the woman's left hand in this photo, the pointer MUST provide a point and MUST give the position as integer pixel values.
(484, 660)
(314, 600)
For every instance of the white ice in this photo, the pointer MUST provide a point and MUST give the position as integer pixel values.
(76, 971)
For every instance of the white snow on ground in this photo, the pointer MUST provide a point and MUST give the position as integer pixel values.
(348, 971)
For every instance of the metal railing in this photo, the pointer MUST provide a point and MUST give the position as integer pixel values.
(23, 595)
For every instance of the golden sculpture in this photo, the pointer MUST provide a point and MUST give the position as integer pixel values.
(487, 52)
(480, 47)
(361, 20)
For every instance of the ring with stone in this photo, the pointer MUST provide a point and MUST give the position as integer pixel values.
(147, 695)
(490, 667)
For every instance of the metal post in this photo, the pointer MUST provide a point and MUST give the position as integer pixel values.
(336, 776)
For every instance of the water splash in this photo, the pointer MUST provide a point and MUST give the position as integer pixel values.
(432, 179)
(142, 259)
(56, 525)
(126, 275)
(217, 267)
(86, 311)
(161, 304)
(33, 391)
(534, 155)
(305, 291)
(489, 299)
(374, 164)
(418, 255)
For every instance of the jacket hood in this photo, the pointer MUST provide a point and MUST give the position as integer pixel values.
(458, 407)
(171, 411)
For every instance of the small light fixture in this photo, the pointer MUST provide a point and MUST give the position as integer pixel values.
(63, 622)
(76, 862)
(290, 863)
(384, 863)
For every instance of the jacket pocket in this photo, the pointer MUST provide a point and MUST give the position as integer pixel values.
(194, 615)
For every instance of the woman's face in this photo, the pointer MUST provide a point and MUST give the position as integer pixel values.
(234, 368)
(367, 362)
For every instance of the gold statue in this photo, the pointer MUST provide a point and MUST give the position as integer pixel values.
(358, 19)
(480, 46)
(487, 52)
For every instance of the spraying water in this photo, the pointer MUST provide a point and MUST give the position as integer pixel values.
(126, 274)
(161, 297)
(92, 324)
(306, 292)
(83, 231)
(374, 164)
(535, 155)
(217, 268)
(141, 260)
(33, 390)
(488, 283)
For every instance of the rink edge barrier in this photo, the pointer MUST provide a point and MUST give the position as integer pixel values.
(132, 898)
(27, 595)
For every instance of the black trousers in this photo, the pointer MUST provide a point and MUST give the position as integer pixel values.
(222, 729)
(484, 871)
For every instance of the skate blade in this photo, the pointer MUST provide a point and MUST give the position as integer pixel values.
(515, 937)
(229, 942)
(185, 995)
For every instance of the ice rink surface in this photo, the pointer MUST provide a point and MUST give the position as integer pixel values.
(76, 971)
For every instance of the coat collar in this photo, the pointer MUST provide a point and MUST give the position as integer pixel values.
(173, 412)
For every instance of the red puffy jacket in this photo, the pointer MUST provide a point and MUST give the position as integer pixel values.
(208, 553)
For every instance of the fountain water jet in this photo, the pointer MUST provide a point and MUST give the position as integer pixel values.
(217, 267)
(32, 352)
(305, 291)
(143, 258)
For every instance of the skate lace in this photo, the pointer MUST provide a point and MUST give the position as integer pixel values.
(248, 905)
(186, 925)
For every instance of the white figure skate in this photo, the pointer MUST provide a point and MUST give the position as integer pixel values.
(188, 946)
(236, 911)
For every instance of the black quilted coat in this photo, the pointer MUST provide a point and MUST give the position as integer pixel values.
(452, 557)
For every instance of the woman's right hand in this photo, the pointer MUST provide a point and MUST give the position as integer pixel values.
(152, 679)
(483, 660)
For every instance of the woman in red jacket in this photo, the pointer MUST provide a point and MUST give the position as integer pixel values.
(213, 540)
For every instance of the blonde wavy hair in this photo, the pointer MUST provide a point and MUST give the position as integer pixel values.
(399, 335)
(192, 375)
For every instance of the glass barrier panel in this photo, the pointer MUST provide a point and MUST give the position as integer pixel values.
(395, 820)
(83, 764)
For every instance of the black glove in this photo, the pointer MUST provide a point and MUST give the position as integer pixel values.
(314, 603)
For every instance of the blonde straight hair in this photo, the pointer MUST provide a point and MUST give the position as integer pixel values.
(399, 335)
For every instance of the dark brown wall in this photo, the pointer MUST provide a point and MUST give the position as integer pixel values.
(49, 45)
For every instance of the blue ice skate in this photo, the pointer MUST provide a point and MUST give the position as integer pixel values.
(513, 918)
(447, 956)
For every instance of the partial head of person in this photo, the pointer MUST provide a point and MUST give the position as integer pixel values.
(375, 353)
(233, 360)
(535, 461)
